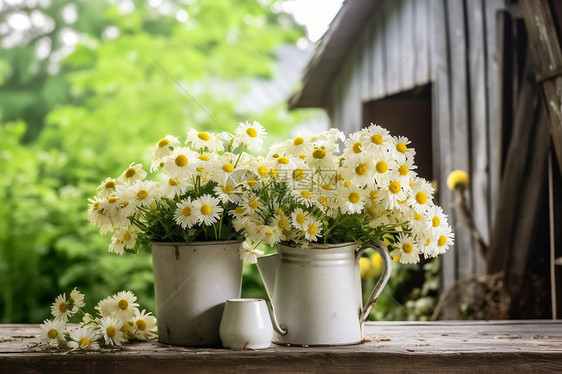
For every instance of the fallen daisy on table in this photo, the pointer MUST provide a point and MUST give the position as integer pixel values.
(118, 321)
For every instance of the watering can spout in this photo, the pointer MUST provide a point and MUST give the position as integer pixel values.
(267, 266)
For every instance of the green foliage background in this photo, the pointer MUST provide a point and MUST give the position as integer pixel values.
(81, 114)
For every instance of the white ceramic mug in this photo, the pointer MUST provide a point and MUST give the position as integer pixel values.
(246, 324)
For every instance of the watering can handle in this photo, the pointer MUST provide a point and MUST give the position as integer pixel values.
(385, 275)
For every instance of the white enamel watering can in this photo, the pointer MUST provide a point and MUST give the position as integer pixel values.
(315, 292)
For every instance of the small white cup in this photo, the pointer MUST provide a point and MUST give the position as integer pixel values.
(246, 324)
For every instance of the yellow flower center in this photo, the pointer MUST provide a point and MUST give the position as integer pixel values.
(283, 160)
(173, 181)
(354, 197)
(361, 169)
(239, 210)
(84, 342)
(283, 224)
(394, 187)
(110, 331)
(442, 241)
(401, 147)
(252, 133)
(186, 211)
(319, 153)
(403, 170)
(204, 157)
(228, 189)
(112, 200)
(262, 171)
(357, 147)
(302, 156)
(382, 167)
(62, 307)
(373, 194)
(181, 161)
(327, 187)
(254, 204)
(251, 182)
(298, 140)
(377, 139)
(205, 209)
(417, 216)
(305, 194)
(141, 324)
(52, 334)
(130, 172)
(163, 143)
(298, 174)
(407, 247)
(346, 183)
(312, 229)
(372, 211)
(110, 184)
(127, 237)
(280, 212)
(200, 169)
(427, 242)
(228, 167)
(301, 218)
(436, 221)
(323, 200)
(96, 205)
(204, 136)
(123, 304)
(421, 197)
(273, 173)
(142, 194)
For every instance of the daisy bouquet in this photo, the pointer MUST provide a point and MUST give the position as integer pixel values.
(329, 189)
(119, 320)
(198, 186)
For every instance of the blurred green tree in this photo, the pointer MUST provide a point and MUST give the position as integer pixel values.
(87, 88)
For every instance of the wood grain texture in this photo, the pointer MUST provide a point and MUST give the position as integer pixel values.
(499, 347)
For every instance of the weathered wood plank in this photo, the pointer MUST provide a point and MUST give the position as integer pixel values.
(547, 56)
(460, 129)
(379, 87)
(392, 42)
(443, 161)
(479, 185)
(405, 44)
(494, 45)
(498, 347)
(421, 36)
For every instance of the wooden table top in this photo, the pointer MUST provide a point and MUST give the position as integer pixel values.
(456, 346)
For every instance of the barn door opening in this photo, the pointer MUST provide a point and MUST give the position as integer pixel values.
(407, 114)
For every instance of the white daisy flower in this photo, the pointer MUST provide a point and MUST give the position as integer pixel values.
(281, 222)
(384, 167)
(61, 309)
(304, 197)
(208, 209)
(116, 246)
(205, 164)
(359, 170)
(402, 150)
(110, 328)
(405, 171)
(227, 193)
(185, 214)
(144, 325)
(252, 135)
(248, 253)
(104, 307)
(172, 187)
(282, 163)
(445, 239)
(252, 204)
(107, 187)
(421, 198)
(407, 248)
(123, 238)
(180, 163)
(419, 223)
(223, 170)
(132, 174)
(300, 145)
(394, 194)
(140, 193)
(353, 145)
(375, 139)
(98, 216)
(84, 338)
(123, 305)
(52, 332)
(77, 299)
(352, 199)
(438, 220)
(163, 149)
(322, 157)
(312, 229)
(271, 235)
(204, 140)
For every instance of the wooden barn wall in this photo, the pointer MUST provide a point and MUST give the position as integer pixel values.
(452, 45)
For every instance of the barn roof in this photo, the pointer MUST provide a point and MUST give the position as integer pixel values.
(331, 52)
